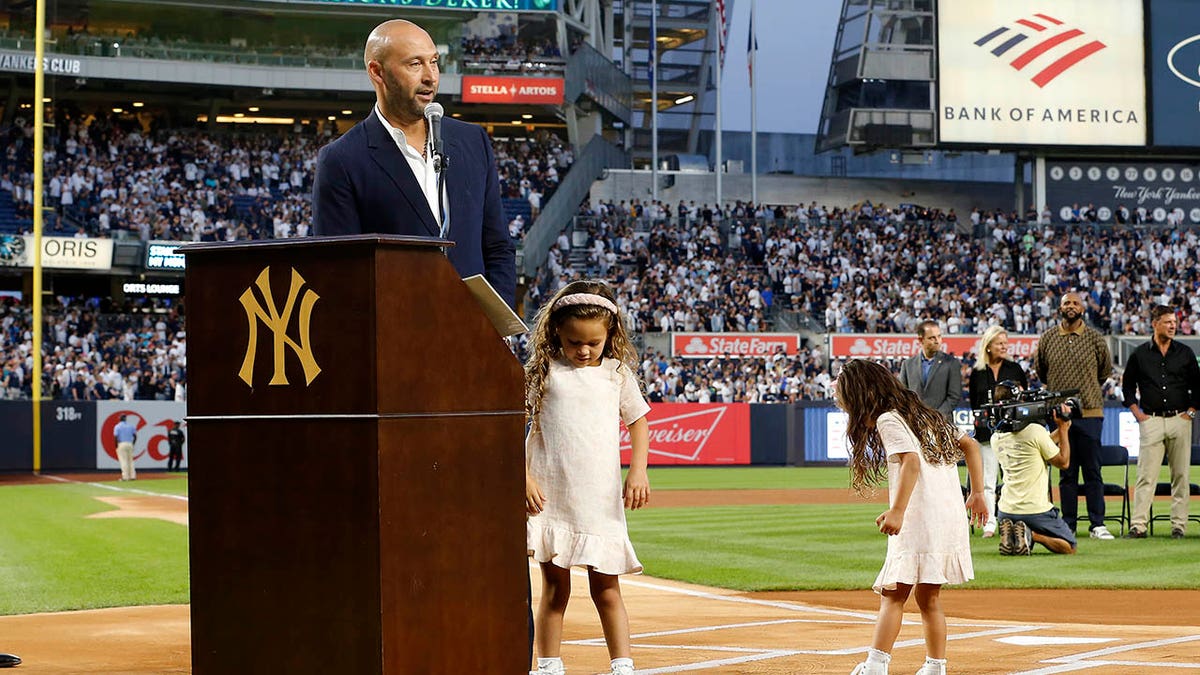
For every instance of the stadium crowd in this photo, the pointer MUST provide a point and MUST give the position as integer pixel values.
(96, 351)
(108, 177)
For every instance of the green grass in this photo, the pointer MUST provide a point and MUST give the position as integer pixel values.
(53, 558)
(811, 547)
(748, 477)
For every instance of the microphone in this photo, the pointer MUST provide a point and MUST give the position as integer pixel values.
(433, 114)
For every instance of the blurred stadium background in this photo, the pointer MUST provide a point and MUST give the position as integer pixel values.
(972, 161)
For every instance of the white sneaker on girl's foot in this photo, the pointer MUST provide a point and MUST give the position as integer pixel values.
(865, 668)
(623, 668)
(933, 667)
(551, 666)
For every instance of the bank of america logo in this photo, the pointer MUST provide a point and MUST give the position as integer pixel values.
(1054, 54)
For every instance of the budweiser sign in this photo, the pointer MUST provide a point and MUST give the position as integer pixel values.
(696, 433)
(892, 346)
(536, 90)
(708, 345)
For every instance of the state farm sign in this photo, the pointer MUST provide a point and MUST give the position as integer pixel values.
(696, 433)
(708, 345)
(537, 90)
(892, 346)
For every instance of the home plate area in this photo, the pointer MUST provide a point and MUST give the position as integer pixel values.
(679, 628)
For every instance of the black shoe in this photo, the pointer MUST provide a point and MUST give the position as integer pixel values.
(1177, 533)
(9, 660)
(1135, 533)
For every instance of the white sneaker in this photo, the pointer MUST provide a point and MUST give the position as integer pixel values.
(865, 668)
(930, 669)
(622, 669)
(989, 529)
(1101, 532)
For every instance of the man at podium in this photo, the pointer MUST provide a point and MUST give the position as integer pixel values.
(393, 174)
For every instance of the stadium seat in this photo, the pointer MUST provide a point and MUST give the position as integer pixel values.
(1164, 490)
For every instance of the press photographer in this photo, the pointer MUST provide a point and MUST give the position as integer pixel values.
(1023, 446)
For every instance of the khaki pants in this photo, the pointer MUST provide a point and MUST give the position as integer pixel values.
(1172, 437)
(125, 456)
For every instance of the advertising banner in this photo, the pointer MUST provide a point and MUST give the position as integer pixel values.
(1175, 72)
(477, 5)
(527, 90)
(1027, 72)
(16, 250)
(1156, 189)
(894, 346)
(696, 434)
(161, 255)
(708, 345)
(151, 419)
(26, 62)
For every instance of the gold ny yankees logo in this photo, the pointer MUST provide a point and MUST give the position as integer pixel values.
(278, 323)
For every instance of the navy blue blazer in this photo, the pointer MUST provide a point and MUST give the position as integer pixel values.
(363, 184)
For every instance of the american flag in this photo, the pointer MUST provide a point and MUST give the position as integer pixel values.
(722, 29)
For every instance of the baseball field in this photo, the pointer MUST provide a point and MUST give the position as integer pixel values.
(750, 570)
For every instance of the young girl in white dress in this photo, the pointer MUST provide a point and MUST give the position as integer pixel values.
(580, 384)
(926, 521)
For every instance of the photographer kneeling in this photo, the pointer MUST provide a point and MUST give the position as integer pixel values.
(1027, 516)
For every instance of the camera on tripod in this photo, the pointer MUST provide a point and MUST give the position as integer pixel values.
(1015, 408)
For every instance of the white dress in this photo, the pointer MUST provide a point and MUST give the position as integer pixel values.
(575, 459)
(933, 546)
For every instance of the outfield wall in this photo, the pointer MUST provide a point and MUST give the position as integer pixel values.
(77, 435)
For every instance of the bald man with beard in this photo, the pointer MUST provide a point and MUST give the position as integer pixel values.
(380, 177)
(1073, 355)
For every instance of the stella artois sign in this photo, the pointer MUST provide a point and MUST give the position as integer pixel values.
(696, 433)
(528, 90)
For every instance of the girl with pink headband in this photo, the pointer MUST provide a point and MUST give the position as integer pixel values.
(580, 383)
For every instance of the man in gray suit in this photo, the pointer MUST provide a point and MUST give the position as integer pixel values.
(933, 374)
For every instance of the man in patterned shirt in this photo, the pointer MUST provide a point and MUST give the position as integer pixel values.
(1073, 355)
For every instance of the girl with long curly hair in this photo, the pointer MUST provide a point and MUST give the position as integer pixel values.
(892, 434)
(580, 383)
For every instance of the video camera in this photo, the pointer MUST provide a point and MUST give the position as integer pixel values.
(1024, 407)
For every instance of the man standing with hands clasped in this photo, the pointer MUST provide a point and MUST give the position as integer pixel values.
(1073, 355)
(933, 374)
(1162, 390)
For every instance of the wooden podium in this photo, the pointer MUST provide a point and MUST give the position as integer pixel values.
(357, 471)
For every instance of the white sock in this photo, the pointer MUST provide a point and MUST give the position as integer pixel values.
(553, 665)
(621, 662)
(876, 656)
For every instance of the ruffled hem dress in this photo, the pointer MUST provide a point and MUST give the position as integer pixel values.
(575, 459)
(933, 546)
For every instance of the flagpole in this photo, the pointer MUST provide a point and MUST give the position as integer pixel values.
(39, 130)
(653, 101)
(753, 113)
(717, 20)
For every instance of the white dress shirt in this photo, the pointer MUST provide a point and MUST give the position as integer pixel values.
(422, 169)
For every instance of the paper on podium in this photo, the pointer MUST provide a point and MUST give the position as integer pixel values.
(503, 318)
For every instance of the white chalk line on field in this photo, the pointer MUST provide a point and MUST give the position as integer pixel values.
(116, 488)
(751, 654)
(1076, 662)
